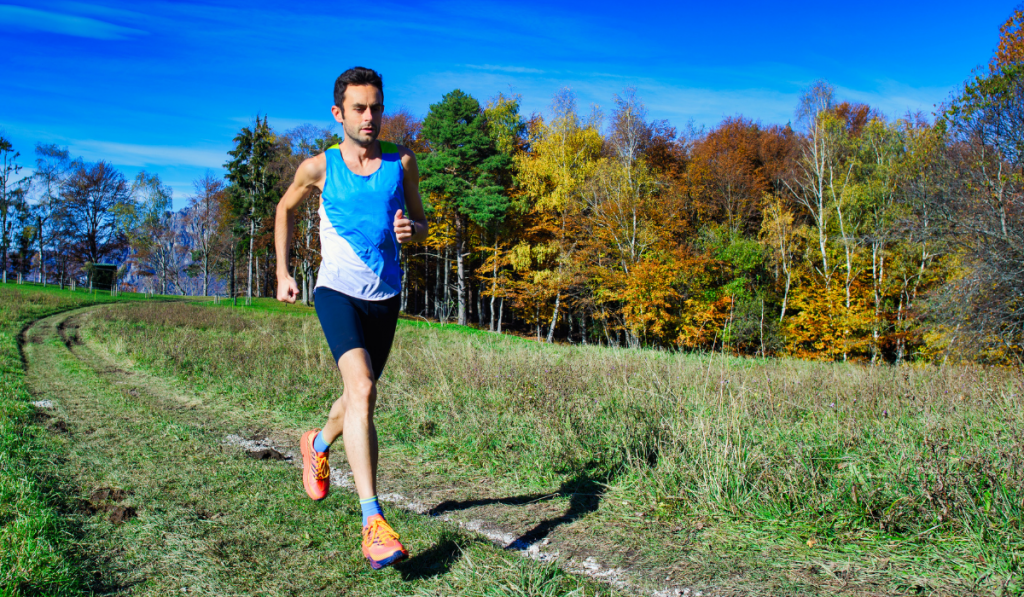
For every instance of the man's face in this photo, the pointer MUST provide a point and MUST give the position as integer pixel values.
(362, 115)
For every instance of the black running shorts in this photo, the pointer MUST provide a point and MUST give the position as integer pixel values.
(357, 323)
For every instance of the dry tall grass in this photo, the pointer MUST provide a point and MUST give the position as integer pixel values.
(926, 457)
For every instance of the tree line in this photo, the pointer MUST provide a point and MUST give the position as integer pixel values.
(841, 235)
(70, 216)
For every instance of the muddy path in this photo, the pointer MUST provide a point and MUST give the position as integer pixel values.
(212, 496)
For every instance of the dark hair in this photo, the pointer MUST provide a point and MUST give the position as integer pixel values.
(357, 75)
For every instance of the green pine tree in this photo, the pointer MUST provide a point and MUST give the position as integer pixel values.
(463, 172)
(252, 183)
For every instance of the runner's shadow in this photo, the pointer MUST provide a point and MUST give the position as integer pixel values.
(436, 561)
(584, 493)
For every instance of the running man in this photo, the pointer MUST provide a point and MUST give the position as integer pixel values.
(369, 205)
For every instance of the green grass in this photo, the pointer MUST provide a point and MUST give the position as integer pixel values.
(33, 555)
(261, 305)
(780, 477)
(208, 519)
(215, 522)
(749, 476)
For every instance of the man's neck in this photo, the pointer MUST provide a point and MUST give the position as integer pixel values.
(361, 153)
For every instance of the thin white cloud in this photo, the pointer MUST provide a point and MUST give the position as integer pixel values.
(710, 106)
(96, 10)
(30, 19)
(895, 99)
(283, 125)
(180, 192)
(505, 69)
(683, 99)
(675, 101)
(128, 154)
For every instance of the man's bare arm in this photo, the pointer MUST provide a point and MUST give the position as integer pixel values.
(411, 226)
(310, 174)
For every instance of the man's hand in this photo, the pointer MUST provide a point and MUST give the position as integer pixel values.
(287, 289)
(404, 227)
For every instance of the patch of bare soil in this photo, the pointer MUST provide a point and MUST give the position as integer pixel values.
(106, 499)
(266, 454)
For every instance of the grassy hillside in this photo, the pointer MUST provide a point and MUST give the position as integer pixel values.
(774, 476)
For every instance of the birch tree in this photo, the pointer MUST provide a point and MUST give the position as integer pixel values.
(11, 197)
(809, 186)
(202, 222)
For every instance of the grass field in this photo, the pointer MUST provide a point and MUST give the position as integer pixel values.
(144, 498)
(734, 476)
(33, 556)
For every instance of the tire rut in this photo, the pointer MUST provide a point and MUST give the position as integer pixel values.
(148, 391)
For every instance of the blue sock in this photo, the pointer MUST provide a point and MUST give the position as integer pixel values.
(370, 507)
(319, 444)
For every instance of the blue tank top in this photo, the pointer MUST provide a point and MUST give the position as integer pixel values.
(361, 210)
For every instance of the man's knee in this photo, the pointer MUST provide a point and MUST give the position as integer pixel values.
(361, 393)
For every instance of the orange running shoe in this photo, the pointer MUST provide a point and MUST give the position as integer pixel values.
(380, 543)
(316, 472)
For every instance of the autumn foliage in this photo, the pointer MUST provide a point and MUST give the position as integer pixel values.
(844, 234)
(821, 239)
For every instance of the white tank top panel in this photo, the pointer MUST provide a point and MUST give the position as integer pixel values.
(342, 270)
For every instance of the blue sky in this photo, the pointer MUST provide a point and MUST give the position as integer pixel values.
(164, 86)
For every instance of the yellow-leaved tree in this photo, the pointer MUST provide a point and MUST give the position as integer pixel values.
(564, 154)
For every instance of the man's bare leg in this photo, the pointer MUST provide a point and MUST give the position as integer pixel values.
(351, 417)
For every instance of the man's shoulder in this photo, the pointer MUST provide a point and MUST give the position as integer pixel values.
(407, 155)
(313, 168)
(392, 147)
